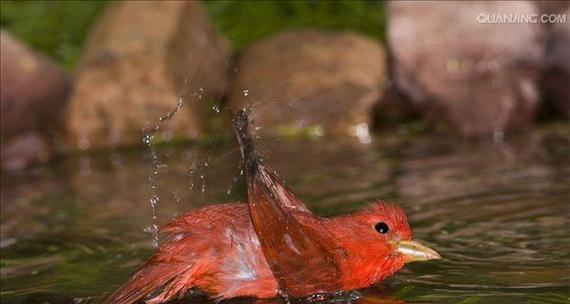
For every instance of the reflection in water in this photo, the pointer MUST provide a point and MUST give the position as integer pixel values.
(498, 213)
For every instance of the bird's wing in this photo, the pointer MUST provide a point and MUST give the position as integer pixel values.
(300, 254)
(284, 195)
(207, 217)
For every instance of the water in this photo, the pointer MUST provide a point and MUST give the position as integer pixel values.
(497, 212)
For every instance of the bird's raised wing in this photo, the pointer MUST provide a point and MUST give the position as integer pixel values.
(296, 246)
(298, 250)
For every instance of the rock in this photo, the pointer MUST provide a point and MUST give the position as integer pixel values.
(557, 75)
(462, 70)
(24, 151)
(551, 7)
(393, 109)
(310, 78)
(140, 58)
(33, 90)
(32, 104)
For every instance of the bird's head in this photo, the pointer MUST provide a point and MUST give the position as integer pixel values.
(378, 241)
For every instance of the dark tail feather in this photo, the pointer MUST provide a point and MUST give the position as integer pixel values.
(257, 173)
(251, 160)
(150, 283)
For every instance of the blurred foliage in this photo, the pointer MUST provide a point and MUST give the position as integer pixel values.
(244, 22)
(59, 28)
(55, 28)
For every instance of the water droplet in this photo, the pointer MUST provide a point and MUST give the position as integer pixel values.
(154, 201)
(147, 139)
(498, 135)
(216, 108)
(362, 132)
(177, 196)
(153, 229)
(191, 177)
(203, 188)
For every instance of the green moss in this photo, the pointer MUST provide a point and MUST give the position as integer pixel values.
(311, 132)
(244, 22)
(59, 28)
(55, 28)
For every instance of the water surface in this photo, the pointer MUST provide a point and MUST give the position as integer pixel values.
(498, 213)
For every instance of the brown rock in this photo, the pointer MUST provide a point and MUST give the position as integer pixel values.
(557, 75)
(33, 90)
(477, 77)
(309, 78)
(140, 58)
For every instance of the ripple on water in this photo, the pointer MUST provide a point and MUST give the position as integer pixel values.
(498, 214)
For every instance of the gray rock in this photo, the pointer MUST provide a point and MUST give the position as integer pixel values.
(33, 90)
(25, 150)
(32, 104)
(556, 79)
(477, 77)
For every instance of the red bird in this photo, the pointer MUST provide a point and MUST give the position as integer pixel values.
(272, 245)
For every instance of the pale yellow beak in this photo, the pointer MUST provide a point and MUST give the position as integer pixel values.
(414, 251)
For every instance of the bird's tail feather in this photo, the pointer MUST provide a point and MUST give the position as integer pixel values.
(153, 284)
(251, 159)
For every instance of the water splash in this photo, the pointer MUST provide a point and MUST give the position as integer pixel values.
(148, 140)
(191, 174)
(234, 182)
(203, 186)
(198, 94)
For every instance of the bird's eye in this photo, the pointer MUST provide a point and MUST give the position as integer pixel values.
(381, 227)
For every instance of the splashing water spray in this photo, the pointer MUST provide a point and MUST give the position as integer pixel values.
(148, 140)
(155, 166)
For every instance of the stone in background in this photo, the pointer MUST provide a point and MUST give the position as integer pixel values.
(556, 80)
(33, 93)
(311, 78)
(139, 59)
(477, 78)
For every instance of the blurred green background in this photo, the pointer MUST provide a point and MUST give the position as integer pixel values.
(59, 28)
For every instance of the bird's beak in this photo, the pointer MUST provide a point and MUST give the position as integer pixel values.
(414, 251)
